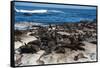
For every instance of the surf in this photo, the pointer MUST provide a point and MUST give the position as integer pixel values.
(31, 11)
(38, 11)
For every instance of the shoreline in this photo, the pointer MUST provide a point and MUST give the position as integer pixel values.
(77, 39)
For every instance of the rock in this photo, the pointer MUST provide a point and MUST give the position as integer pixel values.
(35, 42)
(79, 56)
(40, 62)
(18, 59)
(28, 49)
(94, 42)
(18, 33)
(59, 50)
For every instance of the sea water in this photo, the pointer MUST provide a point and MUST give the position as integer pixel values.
(47, 15)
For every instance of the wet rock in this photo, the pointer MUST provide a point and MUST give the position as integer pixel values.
(40, 62)
(18, 59)
(59, 50)
(94, 42)
(28, 49)
(79, 56)
(35, 42)
(92, 56)
(18, 33)
(17, 39)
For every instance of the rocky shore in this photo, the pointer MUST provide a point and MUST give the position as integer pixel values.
(55, 43)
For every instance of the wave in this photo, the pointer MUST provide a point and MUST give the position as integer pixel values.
(38, 11)
(27, 25)
(55, 11)
(31, 11)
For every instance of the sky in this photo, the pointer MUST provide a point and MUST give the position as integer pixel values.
(52, 5)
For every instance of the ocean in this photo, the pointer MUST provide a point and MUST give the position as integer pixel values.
(46, 15)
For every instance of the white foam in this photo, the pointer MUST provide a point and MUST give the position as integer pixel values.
(38, 11)
(31, 11)
(25, 25)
